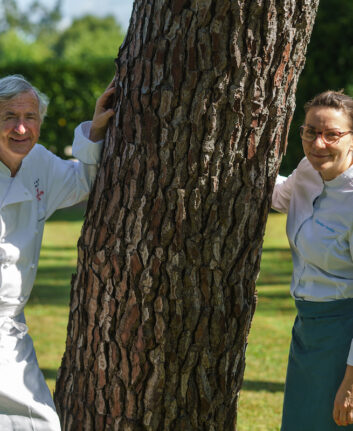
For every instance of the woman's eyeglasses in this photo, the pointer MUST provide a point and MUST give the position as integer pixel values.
(329, 136)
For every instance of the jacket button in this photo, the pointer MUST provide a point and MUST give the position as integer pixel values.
(33, 266)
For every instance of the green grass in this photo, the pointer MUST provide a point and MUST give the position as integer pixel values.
(261, 398)
(47, 310)
(260, 406)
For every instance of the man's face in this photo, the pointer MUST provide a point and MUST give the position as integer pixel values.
(19, 128)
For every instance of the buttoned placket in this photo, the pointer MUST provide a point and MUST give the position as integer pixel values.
(16, 193)
(300, 271)
(304, 268)
(2, 224)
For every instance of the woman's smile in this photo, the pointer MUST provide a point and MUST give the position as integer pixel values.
(320, 156)
(330, 160)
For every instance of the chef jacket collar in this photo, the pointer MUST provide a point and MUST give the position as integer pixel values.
(344, 179)
(5, 171)
(18, 192)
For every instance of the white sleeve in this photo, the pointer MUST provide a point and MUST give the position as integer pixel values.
(69, 181)
(82, 148)
(282, 192)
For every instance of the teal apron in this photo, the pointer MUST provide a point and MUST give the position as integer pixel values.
(321, 339)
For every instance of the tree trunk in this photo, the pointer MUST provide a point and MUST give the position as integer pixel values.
(169, 254)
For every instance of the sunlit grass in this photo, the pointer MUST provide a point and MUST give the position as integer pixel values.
(261, 398)
(47, 310)
(260, 406)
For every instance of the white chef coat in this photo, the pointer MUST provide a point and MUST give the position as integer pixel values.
(320, 233)
(43, 184)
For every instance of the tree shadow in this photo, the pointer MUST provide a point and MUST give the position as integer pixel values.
(280, 294)
(256, 386)
(55, 248)
(57, 293)
(75, 213)
(274, 280)
(49, 373)
(285, 250)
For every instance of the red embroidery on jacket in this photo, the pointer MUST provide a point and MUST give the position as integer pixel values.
(39, 193)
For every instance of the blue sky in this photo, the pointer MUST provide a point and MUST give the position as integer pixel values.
(121, 9)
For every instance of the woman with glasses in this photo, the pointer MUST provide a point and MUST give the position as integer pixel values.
(318, 198)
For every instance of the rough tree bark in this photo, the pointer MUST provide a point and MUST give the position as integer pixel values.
(165, 288)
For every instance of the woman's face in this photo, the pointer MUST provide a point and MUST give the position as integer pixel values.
(329, 160)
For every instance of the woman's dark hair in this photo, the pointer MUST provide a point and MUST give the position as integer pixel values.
(332, 99)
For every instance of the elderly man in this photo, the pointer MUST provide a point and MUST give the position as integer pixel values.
(33, 184)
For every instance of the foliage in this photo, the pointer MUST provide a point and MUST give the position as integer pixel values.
(28, 35)
(31, 44)
(13, 48)
(72, 89)
(36, 21)
(329, 65)
(329, 62)
(34, 35)
(89, 38)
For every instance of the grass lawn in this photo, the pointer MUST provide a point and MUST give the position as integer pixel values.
(48, 308)
(261, 397)
(260, 405)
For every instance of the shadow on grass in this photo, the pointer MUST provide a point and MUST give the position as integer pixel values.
(281, 294)
(276, 300)
(284, 250)
(58, 259)
(55, 272)
(276, 267)
(57, 294)
(75, 213)
(274, 280)
(256, 386)
(49, 373)
(58, 248)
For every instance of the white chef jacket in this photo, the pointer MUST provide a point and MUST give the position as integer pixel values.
(43, 184)
(320, 233)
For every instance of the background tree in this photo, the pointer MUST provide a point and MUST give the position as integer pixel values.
(15, 49)
(89, 38)
(29, 44)
(34, 34)
(35, 45)
(26, 34)
(34, 21)
(165, 288)
(329, 65)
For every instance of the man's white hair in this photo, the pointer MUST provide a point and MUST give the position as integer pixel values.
(12, 85)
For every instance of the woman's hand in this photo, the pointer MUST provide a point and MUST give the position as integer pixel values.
(343, 405)
(102, 113)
